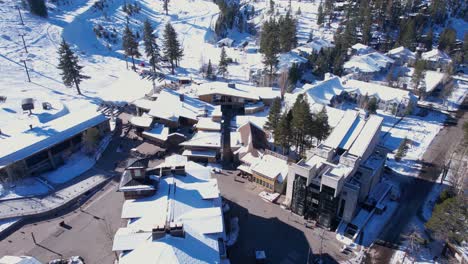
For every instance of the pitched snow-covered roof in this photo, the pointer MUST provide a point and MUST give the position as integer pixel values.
(271, 167)
(372, 62)
(240, 90)
(141, 121)
(207, 123)
(435, 55)
(401, 53)
(362, 49)
(316, 45)
(340, 131)
(159, 131)
(170, 105)
(381, 92)
(286, 60)
(192, 200)
(324, 91)
(204, 139)
(362, 142)
(31, 141)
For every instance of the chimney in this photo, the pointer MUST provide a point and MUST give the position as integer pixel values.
(181, 97)
(158, 232)
(231, 85)
(176, 229)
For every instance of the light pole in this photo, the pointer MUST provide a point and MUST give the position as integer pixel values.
(21, 17)
(24, 43)
(26, 69)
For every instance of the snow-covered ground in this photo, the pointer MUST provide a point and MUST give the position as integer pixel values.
(420, 131)
(76, 165)
(23, 188)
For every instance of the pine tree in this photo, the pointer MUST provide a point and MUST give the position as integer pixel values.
(418, 74)
(130, 45)
(272, 7)
(408, 34)
(447, 39)
(209, 70)
(151, 47)
(172, 48)
(322, 126)
(273, 115)
(166, 6)
(367, 27)
(320, 15)
(287, 32)
(71, 70)
(329, 9)
(270, 45)
(302, 124)
(438, 10)
(38, 7)
(372, 105)
(282, 133)
(223, 63)
(428, 40)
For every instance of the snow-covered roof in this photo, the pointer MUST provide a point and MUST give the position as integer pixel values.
(381, 92)
(170, 105)
(240, 90)
(367, 133)
(192, 200)
(372, 62)
(432, 79)
(204, 139)
(354, 133)
(175, 160)
(324, 91)
(142, 121)
(226, 41)
(207, 123)
(199, 153)
(286, 60)
(315, 45)
(271, 167)
(159, 131)
(401, 53)
(258, 120)
(30, 141)
(435, 55)
(340, 131)
(362, 49)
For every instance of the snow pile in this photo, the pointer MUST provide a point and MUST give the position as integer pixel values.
(76, 165)
(22, 188)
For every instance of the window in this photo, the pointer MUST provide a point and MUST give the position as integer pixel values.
(137, 173)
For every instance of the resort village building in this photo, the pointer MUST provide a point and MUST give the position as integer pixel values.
(42, 147)
(339, 174)
(182, 222)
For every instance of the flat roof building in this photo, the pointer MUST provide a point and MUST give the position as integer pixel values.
(338, 174)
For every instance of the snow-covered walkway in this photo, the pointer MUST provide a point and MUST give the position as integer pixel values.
(38, 205)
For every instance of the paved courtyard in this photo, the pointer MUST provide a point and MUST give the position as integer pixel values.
(266, 226)
(88, 231)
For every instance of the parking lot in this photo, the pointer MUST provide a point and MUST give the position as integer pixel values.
(87, 231)
(266, 226)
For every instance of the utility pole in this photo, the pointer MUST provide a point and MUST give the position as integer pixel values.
(24, 43)
(21, 17)
(26, 69)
